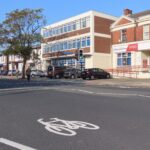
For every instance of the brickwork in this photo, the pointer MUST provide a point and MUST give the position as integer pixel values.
(139, 33)
(102, 45)
(102, 25)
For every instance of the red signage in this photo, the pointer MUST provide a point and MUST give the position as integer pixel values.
(132, 47)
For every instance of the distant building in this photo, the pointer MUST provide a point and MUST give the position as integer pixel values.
(131, 43)
(16, 61)
(89, 32)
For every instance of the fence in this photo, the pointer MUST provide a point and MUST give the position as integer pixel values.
(130, 71)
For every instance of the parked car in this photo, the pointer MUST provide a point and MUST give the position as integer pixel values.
(72, 73)
(56, 71)
(3, 72)
(12, 72)
(38, 73)
(95, 73)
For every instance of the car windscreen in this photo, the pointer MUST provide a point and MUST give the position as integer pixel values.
(50, 68)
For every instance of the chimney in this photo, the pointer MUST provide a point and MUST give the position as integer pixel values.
(127, 12)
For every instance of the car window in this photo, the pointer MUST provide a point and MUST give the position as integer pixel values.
(101, 70)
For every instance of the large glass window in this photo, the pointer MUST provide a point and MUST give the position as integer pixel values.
(69, 27)
(88, 22)
(61, 30)
(78, 25)
(83, 23)
(83, 42)
(78, 43)
(74, 26)
(124, 59)
(61, 46)
(88, 41)
(65, 45)
(74, 43)
(65, 28)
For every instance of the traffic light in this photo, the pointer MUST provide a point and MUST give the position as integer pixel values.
(80, 53)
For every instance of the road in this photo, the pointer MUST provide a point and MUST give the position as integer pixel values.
(120, 116)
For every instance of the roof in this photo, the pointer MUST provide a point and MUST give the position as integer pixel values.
(140, 14)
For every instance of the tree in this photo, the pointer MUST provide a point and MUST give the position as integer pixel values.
(20, 31)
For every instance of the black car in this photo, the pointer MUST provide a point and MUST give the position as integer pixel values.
(72, 73)
(95, 73)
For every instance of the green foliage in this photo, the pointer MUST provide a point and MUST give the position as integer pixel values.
(20, 31)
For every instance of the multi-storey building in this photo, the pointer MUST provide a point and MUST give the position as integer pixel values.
(89, 32)
(131, 42)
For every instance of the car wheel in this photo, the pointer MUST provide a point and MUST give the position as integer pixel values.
(108, 76)
(57, 76)
(72, 77)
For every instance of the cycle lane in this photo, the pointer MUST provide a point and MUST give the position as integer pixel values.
(20, 123)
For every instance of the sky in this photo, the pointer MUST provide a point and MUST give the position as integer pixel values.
(57, 10)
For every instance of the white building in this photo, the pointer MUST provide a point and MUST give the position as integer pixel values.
(89, 32)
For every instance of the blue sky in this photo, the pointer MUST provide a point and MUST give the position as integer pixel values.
(57, 10)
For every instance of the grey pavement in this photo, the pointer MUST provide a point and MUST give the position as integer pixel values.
(117, 82)
(143, 83)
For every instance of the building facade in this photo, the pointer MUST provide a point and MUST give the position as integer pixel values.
(89, 32)
(131, 43)
(15, 62)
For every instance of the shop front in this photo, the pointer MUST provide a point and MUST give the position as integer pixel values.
(134, 58)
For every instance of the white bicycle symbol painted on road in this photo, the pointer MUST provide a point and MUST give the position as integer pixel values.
(66, 128)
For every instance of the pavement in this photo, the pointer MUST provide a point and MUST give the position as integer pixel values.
(126, 82)
(119, 82)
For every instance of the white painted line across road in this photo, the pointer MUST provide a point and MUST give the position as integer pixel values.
(15, 145)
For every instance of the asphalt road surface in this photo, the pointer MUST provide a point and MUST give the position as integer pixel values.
(111, 118)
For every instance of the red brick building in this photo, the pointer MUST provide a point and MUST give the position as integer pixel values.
(131, 42)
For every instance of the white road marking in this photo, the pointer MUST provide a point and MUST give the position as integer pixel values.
(15, 145)
(90, 92)
(68, 89)
(66, 128)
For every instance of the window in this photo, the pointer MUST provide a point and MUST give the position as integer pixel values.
(61, 30)
(61, 46)
(124, 59)
(50, 32)
(146, 32)
(83, 42)
(74, 26)
(74, 44)
(78, 24)
(65, 28)
(78, 43)
(88, 42)
(124, 35)
(83, 23)
(54, 31)
(65, 45)
(69, 45)
(88, 22)
(69, 27)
